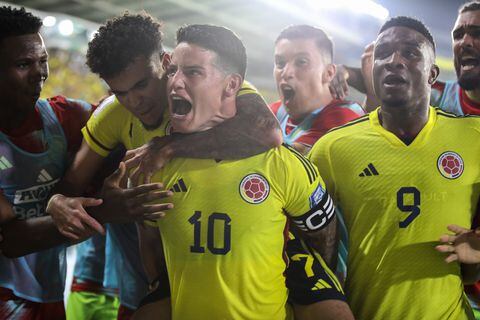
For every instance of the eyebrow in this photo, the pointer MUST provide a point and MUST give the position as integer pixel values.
(125, 91)
(466, 28)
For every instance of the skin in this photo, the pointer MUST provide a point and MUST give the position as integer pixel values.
(466, 44)
(191, 73)
(301, 66)
(403, 72)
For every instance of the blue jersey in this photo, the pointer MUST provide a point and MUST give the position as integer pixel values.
(26, 180)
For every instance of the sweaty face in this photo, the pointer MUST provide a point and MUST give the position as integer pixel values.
(195, 89)
(23, 71)
(298, 71)
(466, 49)
(402, 69)
(141, 90)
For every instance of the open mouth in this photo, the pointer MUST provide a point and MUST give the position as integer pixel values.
(469, 62)
(180, 106)
(288, 93)
(394, 80)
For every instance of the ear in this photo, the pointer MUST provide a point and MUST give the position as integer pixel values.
(234, 83)
(166, 60)
(329, 73)
(434, 72)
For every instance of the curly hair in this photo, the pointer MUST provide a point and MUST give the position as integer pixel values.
(17, 22)
(411, 23)
(121, 40)
(231, 53)
(303, 31)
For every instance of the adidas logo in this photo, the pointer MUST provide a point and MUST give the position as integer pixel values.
(179, 186)
(369, 171)
(4, 163)
(44, 176)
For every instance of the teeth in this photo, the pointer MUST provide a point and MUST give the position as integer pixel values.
(468, 67)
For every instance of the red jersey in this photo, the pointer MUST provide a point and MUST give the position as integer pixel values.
(309, 130)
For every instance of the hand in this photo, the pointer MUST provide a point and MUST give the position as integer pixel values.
(463, 246)
(339, 85)
(367, 68)
(70, 217)
(122, 205)
(148, 159)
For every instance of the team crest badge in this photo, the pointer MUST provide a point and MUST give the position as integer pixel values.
(450, 165)
(254, 188)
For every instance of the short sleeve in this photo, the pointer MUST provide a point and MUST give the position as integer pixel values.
(307, 202)
(104, 129)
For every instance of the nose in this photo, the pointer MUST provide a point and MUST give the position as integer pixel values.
(176, 81)
(466, 40)
(395, 60)
(287, 71)
(134, 99)
(39, 71)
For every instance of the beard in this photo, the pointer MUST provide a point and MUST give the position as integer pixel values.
(469, 81)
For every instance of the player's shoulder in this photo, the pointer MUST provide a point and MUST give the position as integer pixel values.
(286, 159)
(345, 105)
(247, 88)
(63, 103)
(445, 115)
(275, 106)
(109, 109)
(350, 128)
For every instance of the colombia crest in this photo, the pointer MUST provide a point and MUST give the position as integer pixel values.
(450, 165)
(254, 188)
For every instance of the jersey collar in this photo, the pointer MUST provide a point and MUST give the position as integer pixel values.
(419, 140)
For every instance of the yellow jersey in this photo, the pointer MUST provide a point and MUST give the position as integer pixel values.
(397, 200)
(111, 124)
(225, 238)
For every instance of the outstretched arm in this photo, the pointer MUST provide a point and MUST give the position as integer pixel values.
(253, 130)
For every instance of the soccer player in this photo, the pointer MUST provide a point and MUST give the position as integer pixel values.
(36, 138)
(228, 262)
(413, 166)
(303, 70)
(127, 53)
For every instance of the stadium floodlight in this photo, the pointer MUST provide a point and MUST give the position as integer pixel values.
(368, 7)
(49, 21)
(65, 27)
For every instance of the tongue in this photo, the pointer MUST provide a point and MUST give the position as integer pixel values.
(181, 107)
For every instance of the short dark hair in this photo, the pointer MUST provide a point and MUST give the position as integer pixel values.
(121, 40)
(411, 23)
(303, 31)
(17, 22)
(470, 6)
(231, 52)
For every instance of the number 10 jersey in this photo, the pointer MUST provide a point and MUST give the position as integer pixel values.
(397, 200)
(224, 240)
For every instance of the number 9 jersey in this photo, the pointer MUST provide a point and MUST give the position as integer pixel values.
(224, 241)
(397, 200)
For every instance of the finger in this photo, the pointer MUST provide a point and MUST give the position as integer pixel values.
(151, 196)
(154, 216)
(90, 202)
(345, 90)
(70, 235)
(89, 221)
(133, 162)
(142, 210)
(135, 176)
(448, 238)
(129, 155)
(445, 248)
(457, 229)
(144, 188)
(451, 258)
(147, 177)
(115, 178)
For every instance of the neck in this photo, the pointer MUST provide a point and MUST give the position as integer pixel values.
(12, 118)
(404, 122)
(299, 113)
(474, 95)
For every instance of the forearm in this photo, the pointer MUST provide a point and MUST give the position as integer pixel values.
(21, 237)
(324, 242)
(253, 130)
(355, 79)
